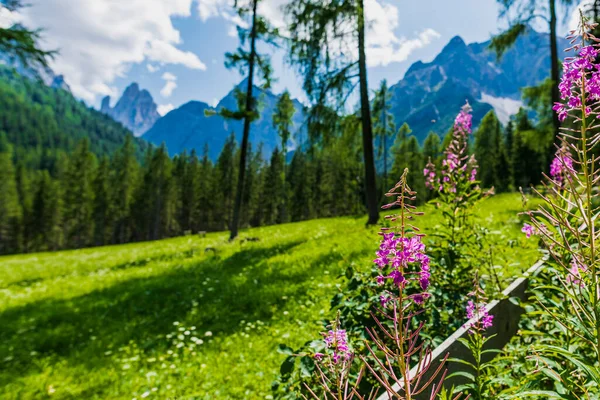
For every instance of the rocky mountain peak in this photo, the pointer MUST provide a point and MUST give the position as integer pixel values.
(135, 109)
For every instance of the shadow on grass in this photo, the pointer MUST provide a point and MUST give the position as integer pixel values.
(213, 294)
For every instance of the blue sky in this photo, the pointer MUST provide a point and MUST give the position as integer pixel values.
(176, 48)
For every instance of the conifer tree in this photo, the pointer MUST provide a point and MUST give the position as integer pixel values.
(384, 126)
(79, 196)
(205, 206)
(224, 184)
(246, 61)
(273, 184)
(47, 212)
(282, 121)
(488, 155)
(10, 208)
(330, 71)
(124, 183)
(103, 213)
(432, 148)
(299, 181)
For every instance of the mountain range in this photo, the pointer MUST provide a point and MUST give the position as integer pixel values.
(189, 127)
(427, 98)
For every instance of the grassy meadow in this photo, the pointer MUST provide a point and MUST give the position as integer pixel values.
(187, 317)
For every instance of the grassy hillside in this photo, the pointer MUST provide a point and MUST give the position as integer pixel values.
(186, 317)
(42, 122)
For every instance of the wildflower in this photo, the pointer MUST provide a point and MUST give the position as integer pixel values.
(528, 230)
(476, 309)
(574, 277)
(571, 88)
(318, 356)
(561, 165)
(337, 340)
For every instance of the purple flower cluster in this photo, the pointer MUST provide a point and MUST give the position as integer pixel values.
(561, 166)
(337, 340)
(572, 87)
(400, 253)
(457, 166)
(528, 230)
(485, 320)
(575, 272)
(429, 173)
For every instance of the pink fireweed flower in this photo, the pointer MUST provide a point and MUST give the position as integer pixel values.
(561, 165)
(337, 340)
(484, 319)
(400, 254)
(457, 166)
(575, 273)
(528, 230)
(571, 87)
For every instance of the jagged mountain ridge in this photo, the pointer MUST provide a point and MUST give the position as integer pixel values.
(430, 94)
(188, 127)
(136, 109)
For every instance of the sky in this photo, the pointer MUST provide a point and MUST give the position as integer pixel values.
(175, 48)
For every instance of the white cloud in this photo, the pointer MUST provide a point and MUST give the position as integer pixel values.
(99, 40)
(163, 109)
(384, 46)
(7, 18)
(152, 68)
(170, 84)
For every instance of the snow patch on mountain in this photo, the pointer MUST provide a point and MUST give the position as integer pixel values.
(504, 106)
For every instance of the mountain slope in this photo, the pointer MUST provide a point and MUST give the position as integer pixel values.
(187, 127)
(42, 121)
(430, 94)
(136, 109)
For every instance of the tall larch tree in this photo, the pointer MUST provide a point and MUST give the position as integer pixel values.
(10, 208)
(328, 48)
(250, 63)
(282, 121)
(384, 126)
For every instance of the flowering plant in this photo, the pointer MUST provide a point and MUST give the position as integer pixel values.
(479, 321)
(566, 224)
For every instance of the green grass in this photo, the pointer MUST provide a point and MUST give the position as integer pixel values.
(187, 317)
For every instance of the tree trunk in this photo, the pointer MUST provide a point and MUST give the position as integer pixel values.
(244, 149)
(367, 127)
(554, 72)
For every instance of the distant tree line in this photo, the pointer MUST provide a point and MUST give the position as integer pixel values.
(88, 200)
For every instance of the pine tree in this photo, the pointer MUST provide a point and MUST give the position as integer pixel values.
(273, 184)
(282, 121)
(47, 211)
(384, 126)
(205, 206)
(79, 197)
(432, 148)
(224, 184)
(299, 182)
(25, 190)
(329, 72)
(103, 213)
(124, 183)
(246, 61)
(487, 153)
(10, 209)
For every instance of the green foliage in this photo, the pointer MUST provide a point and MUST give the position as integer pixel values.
(491, 154)
(359, 296)
(43, 123)
(20, 43)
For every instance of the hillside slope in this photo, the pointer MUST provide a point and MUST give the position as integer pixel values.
(41, 121)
